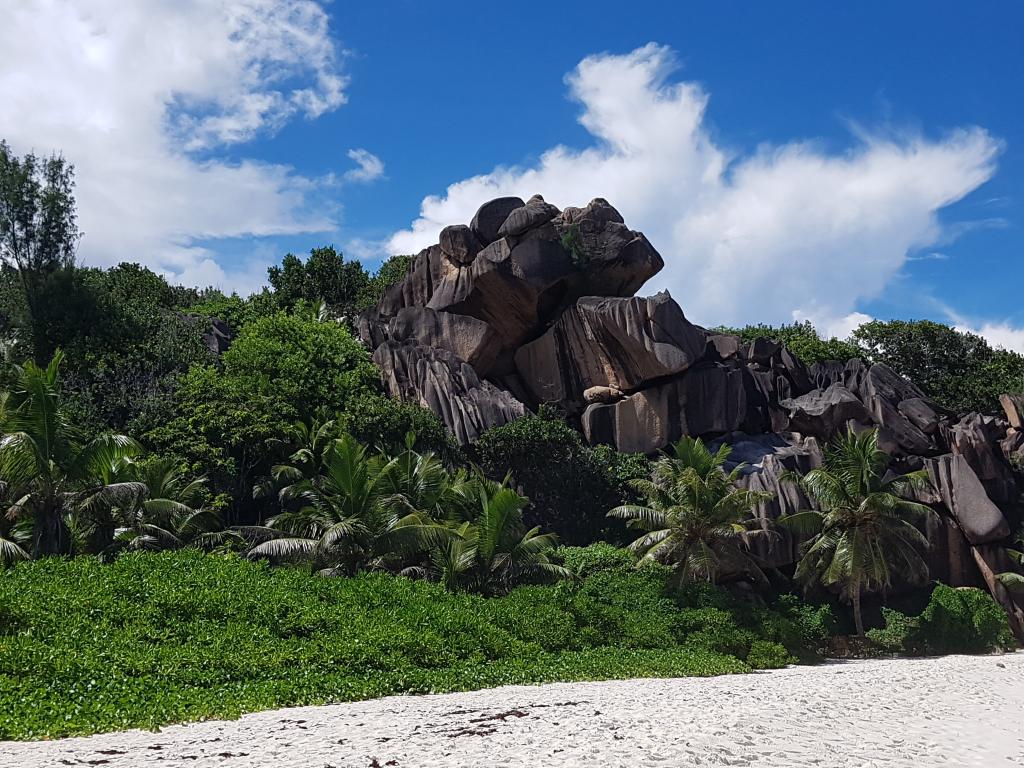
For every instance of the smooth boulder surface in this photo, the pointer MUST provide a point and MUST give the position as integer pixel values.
(491, 215)
(609, 342)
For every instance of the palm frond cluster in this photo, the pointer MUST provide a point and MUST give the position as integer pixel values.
(65, 493)
(346, 510)
(861, 538)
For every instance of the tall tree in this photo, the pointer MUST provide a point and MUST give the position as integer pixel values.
(324, 276)
(961, 371)
(863, 536)
(38, 233)
(696, 519)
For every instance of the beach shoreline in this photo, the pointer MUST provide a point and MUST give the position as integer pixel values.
(952, 710)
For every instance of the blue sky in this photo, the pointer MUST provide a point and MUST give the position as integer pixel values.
(819, 115)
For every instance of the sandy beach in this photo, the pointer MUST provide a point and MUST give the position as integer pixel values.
(951, 711)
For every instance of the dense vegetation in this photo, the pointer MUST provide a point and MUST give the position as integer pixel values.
(153, 639)
(959, 370)
(169, 497)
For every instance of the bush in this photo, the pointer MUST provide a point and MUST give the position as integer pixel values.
(767, 655)
(961, 620)
(383, 423)
(801, 339)
(584, 561)
(159, 638)
(231, 423)
(570, 486)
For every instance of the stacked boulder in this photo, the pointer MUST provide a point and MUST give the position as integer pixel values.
(529, 305)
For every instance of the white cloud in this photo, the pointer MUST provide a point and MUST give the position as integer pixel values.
(1003, 335)
(1000, 333)
(140, 95)
(787, 231)
(834, 327)
(370, 167)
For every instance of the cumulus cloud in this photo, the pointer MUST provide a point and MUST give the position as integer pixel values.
(369, 166)
(141, 95)
(782, 233)
(1002, 335)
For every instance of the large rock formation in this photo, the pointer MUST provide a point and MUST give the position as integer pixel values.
(529, 305)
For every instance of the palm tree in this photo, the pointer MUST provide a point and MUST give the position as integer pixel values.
(349, 519)
(51, 470)
(15, 538)
(490, 550)
(863, 534)
(696, 518)
(420, 482)
(170, 516)
(310, 442)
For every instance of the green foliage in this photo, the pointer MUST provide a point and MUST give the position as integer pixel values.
(129, 347)
(764, 654)
(38, 237)
(863, 537)
(51, 472)
(959, 370)
(159, 638)
(694, 516)
(383, 423)
(323, 276)
(393, 269)
(584, 561)
(963, 620)
(572, 242)
(568, 484)
(233, 310)
(228, 423)
(802, 339)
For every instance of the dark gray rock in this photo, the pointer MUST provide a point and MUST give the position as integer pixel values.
(491, 215)
(460, 244)
(824, 412)
(468, 338)
(529, 216)
(609, 342)
(705, 401)
(964, 496)
(218, 336)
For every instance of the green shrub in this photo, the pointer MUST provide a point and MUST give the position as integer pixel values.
(956, 620)
(570, 486)
(159, 638)
(767, 655)
(383, 423)
(583, 561)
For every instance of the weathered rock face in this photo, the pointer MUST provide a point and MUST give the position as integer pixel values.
(962, 494)
(1013, 405)
(489, 288)
(529, 305)
(609, 342)
(823, 413)
(218, 337)
(440, 381)
(705, 401)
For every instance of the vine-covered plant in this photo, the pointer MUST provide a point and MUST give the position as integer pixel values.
(573, 244)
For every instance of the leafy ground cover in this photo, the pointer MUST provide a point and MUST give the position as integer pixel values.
(159, 638)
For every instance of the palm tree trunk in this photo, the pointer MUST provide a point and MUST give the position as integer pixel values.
(49, 535)
(857, 620)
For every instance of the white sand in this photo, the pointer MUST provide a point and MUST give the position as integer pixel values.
(952, 711)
